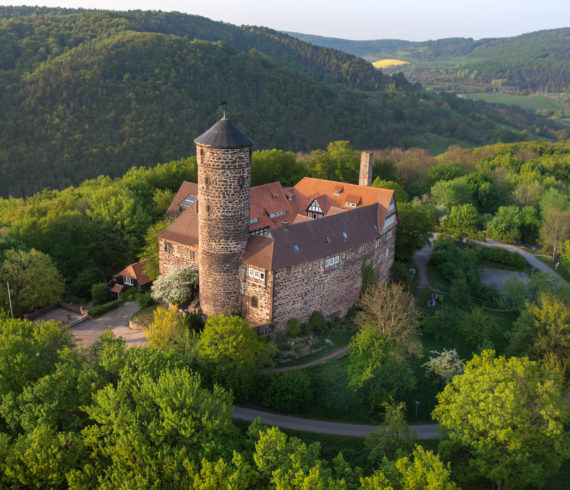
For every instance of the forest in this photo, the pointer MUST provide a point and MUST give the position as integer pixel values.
(533, 62)
(160, 416)
(87, 93)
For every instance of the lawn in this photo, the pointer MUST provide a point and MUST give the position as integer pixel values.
(144, 315)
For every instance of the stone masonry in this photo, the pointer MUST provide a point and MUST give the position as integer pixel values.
(224, 177)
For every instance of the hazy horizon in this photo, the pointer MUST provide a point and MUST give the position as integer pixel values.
(411, 20)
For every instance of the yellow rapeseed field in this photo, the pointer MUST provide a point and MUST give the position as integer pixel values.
(387, 63)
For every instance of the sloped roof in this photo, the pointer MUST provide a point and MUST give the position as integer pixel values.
(223, 134)
(259, 252)
(186, 189)
(309, 188)
(136, 271)
(183, 229)
(322, 237)
(270, 199)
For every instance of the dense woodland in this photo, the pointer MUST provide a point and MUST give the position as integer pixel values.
(536, 61)
(93, 92)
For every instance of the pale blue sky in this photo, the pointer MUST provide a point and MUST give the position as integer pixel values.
(414, 20)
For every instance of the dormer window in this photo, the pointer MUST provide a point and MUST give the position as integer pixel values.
(345, 235)
(289, 197)
(337, 190)
(295, 247)
(128, 280)
(328, 240)
(252, 221)
(277, 214)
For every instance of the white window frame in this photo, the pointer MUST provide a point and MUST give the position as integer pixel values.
(128, 281)
(168, 247)
(332, 261)
(319, 288)
(310, 267)
(256, 274)
(387, 252)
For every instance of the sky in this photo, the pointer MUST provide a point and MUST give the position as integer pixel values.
(413, 20)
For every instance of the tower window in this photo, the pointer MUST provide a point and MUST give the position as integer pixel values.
(207, 181)
(241, 181)
(254, 302)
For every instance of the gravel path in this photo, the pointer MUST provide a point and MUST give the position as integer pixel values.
(117, 320)
(333, 355)
(426, 431)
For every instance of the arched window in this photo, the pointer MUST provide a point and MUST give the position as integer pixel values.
(254, 302)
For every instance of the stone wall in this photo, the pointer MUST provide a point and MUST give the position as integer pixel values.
(257, 291)
(224, 177)
(178, 255)
(297, 290)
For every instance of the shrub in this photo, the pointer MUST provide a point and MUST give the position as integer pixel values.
(288, 392)
(99, 293)
(102, 309)
(317, 322)
(144, 300)
(502, 256)
(294, 327)
(305, 329)
(176, 286)
(399, 272)
(195, 322)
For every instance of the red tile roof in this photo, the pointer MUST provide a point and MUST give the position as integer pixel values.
(136, 271)
(183, 229)
(117, 288)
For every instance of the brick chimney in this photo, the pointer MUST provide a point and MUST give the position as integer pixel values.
(365, 169)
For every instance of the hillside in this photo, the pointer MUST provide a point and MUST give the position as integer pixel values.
(536, 61)
(93, 92)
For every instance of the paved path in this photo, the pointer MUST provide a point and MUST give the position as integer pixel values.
(333, 355)
(530, 258)
(421, 259)
(426, 431)
(117, 320)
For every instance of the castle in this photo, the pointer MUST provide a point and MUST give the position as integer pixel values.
(272, 253)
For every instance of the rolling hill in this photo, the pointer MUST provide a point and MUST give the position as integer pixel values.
(94, 92)
(537, 61)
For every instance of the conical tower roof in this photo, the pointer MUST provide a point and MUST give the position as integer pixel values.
(223, 134)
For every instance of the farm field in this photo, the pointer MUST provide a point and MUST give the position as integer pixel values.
(388, 62)
(555, 102)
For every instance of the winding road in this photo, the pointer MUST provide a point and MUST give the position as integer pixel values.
(427, 431)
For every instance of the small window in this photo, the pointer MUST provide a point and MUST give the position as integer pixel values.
(332, 261)
(167, 247)
(319, 288)
(192, 254)
(295, 247)
(343, 255)
(361, 248)
(327, 239)
(262, 275)
(252, 221)
(241, 181)
(207, 181)
(377, 244)
(208, 208)
(310, 267)
(254, 302)
(344, 235)
(387, 252)
(128, 280)
(289, 197)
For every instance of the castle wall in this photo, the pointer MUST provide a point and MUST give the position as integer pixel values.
(224, 177)
(177, 255)
(297, 290)
(260, 290)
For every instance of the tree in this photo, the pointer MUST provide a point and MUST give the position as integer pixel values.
(399, 192)
(424, 472)
(231, 351)
(176, 286)
(152, 426)
(390, 310)
(414, 231)
(476, 326)
(34, 280)
(510, 415)
(462, 220)
(544, 329)
(288, 392)
(449, 193)
(376, 365)
(445, 364)
(505, 225)
(555, 230)
(395, 440)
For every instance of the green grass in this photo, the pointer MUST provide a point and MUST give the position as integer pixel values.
(533, 103)
(561, 270)
(144, 315)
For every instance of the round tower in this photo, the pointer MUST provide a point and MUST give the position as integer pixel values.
(224, 177)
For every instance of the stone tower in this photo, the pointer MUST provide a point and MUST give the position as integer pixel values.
(224, 177)
(365, 177)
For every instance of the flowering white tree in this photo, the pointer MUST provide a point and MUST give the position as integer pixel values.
(445, 364)
(176, 286)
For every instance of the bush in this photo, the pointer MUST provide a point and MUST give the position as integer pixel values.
(502, 256)
(288, 392)
(399, 272)
(102, 309)
(305, 329)
(195, 322)
(99, 293)
(317, 322)
(144, 300)
(294, 327)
